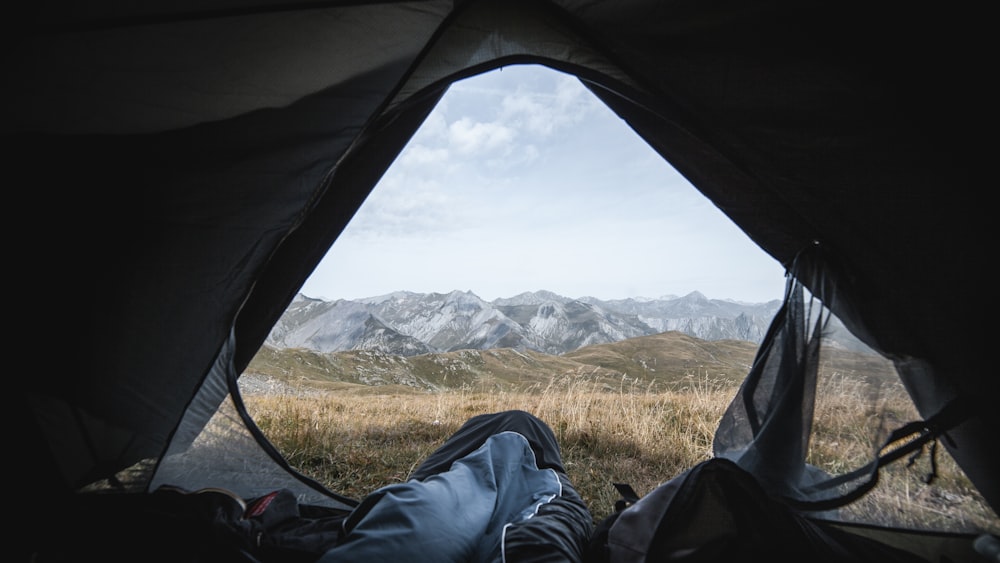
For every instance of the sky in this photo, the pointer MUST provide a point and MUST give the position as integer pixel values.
(522, 180)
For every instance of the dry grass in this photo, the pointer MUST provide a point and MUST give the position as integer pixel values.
(360, 439)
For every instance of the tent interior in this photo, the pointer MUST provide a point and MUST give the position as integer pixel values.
(187, 166)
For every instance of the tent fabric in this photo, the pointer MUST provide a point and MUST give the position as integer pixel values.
(180, 168)
(217, 443)
(717, 511)
(767, 428)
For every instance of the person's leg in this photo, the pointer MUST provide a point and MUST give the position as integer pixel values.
(560, 529)
(477, 429)
(558, 533)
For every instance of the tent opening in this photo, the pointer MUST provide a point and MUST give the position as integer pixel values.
(520, 174)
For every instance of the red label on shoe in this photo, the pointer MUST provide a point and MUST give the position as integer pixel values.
(260, 505)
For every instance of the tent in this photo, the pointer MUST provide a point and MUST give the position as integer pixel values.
(177, 169)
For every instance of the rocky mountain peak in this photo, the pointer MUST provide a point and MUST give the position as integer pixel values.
(408, 323)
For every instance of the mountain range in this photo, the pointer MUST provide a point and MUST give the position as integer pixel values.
(411, 324)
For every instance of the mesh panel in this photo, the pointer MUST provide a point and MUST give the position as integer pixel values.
(818, 421)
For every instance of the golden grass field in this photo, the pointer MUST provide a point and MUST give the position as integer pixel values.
(355, 439)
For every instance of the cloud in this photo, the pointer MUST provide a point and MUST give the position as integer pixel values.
(469, 137)
(544, 114)
(420, 155)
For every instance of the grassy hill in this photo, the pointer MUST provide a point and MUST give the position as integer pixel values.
(662, 361)
(658, 361)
